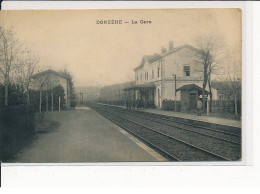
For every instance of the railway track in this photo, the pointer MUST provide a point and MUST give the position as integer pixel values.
(185, 146)
(235, 132)
(233, 138)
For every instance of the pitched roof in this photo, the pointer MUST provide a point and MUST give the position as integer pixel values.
(189, 87)
(156, 56)
(50, 71)
(149, 58)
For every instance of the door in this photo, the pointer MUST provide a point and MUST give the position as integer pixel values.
(193, 101)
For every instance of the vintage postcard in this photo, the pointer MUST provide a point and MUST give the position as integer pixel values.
(154, 85)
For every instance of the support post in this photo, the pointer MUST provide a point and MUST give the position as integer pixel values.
(59, 103)
(52, 101)
(125, 98)
(207, 106)
(134, 99)
(47, 103)
(6, 94)
(40, 103)
(175, 101)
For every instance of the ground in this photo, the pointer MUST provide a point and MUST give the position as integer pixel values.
(85, 136)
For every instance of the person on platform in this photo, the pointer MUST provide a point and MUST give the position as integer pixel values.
(199, 107)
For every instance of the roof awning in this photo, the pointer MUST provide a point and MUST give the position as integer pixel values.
(189, 87)
(140, 87)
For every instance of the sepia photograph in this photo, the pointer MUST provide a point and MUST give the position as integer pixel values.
(147, 85)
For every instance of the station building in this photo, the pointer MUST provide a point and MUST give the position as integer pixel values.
(169, 75)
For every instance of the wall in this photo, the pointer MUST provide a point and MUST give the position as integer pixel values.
(175, 62)
(169, 90)
(185, 100)
(148, 68)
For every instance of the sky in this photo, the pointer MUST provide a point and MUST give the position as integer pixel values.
(105, 54)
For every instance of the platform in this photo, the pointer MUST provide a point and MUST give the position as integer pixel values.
(188, 116)
(86, 136)
(203, 118)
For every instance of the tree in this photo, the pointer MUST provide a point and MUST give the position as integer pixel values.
(9, 49)
(16, 95)
(232, 74)
(41, 82)
(207, 59)
(25, 69)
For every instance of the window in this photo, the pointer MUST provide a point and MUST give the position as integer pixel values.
(141, 77)
(152, 74)
(147, 76)
(137, 79)
(158, 71)
(186, 70)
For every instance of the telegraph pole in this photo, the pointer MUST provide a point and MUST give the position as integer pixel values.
(174, 75)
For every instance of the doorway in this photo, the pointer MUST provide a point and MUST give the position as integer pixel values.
(193, 101)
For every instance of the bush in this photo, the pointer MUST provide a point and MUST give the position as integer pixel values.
(45, 123)
(16, 95)
(17, 128)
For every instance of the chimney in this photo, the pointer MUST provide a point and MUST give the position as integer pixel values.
(163, 50)
(170, 45)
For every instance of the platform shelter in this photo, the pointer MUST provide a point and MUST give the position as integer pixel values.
(140, 96)
(190, 94)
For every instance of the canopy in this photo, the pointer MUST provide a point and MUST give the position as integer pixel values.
(140, 87)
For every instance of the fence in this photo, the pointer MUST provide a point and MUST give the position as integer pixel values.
(17, 128)
(170, 105)
(217, 106)
(227, 106)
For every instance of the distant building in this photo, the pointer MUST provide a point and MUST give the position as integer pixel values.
(225, 91)
(114, 92)
(48, 79)
(155, 77)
